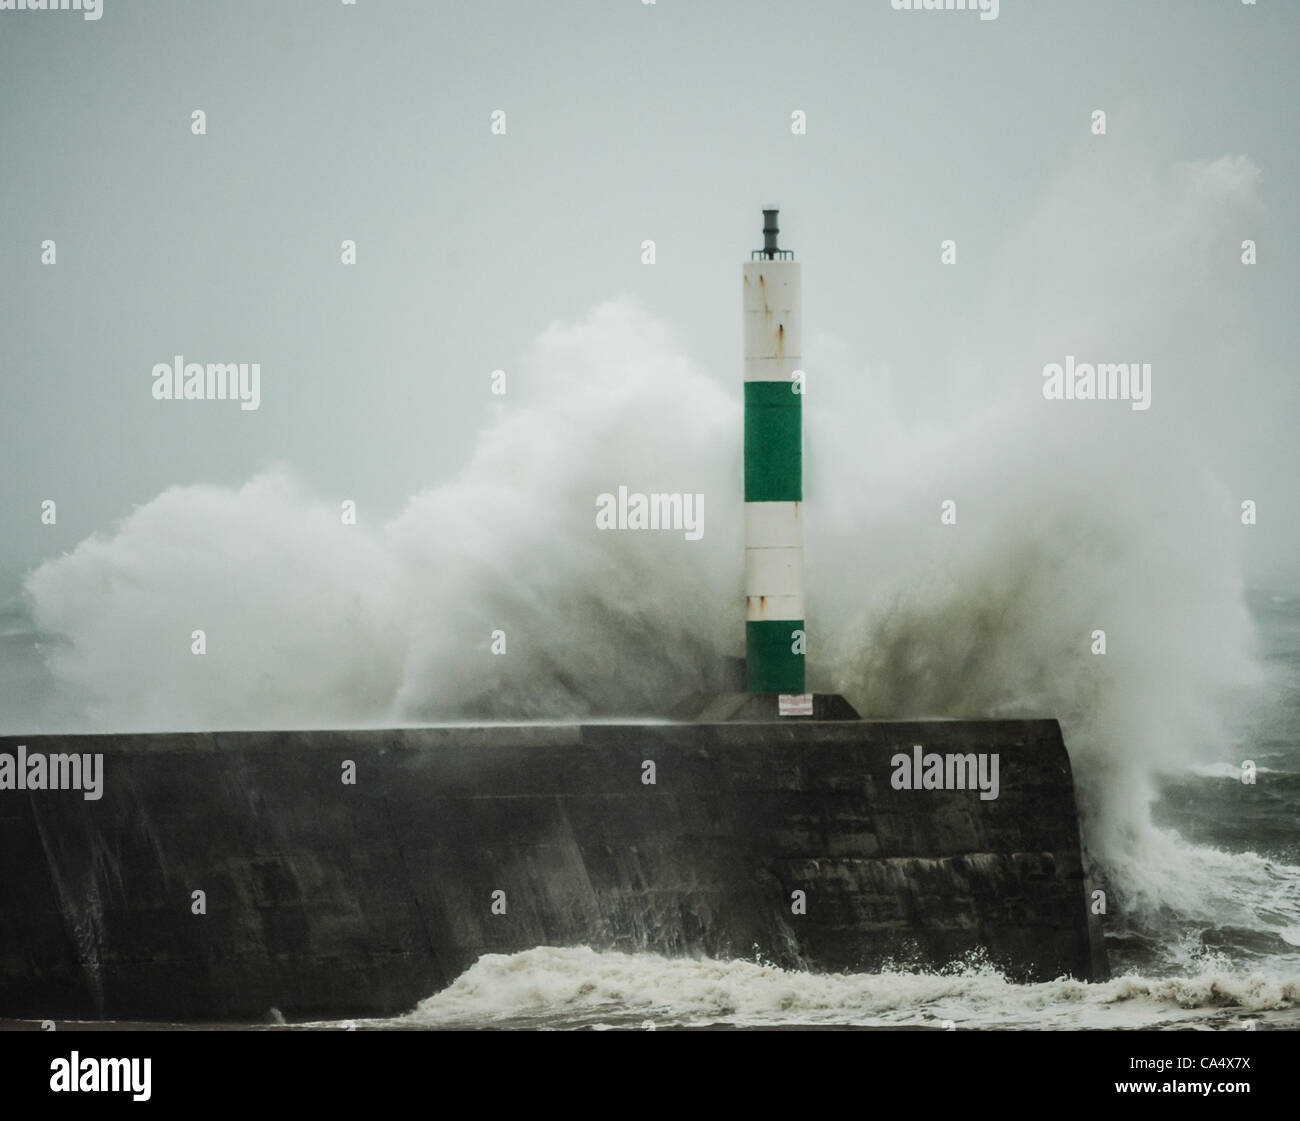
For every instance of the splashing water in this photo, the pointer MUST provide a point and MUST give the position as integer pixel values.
(580, 987)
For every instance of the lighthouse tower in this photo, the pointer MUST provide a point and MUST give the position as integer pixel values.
(774, 607)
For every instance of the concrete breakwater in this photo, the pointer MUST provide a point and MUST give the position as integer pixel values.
(346, 873)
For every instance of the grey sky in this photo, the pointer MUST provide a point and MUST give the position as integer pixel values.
(625, 122)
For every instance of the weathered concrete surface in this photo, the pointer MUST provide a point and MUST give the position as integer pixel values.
(717, 708)
(325, 899)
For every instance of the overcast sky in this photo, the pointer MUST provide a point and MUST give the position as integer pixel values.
(625, 122)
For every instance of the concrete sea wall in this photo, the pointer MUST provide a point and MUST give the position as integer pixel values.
(325, 898)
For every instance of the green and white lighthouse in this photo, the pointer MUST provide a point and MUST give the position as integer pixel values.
(774, 608)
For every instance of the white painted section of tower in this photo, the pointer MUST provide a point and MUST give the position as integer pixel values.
(773, 319)
(774, 524)
(773, 561)
(772, 369)
(763, 570)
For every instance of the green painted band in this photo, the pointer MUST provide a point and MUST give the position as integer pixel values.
(771, 665)
(773, 442)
